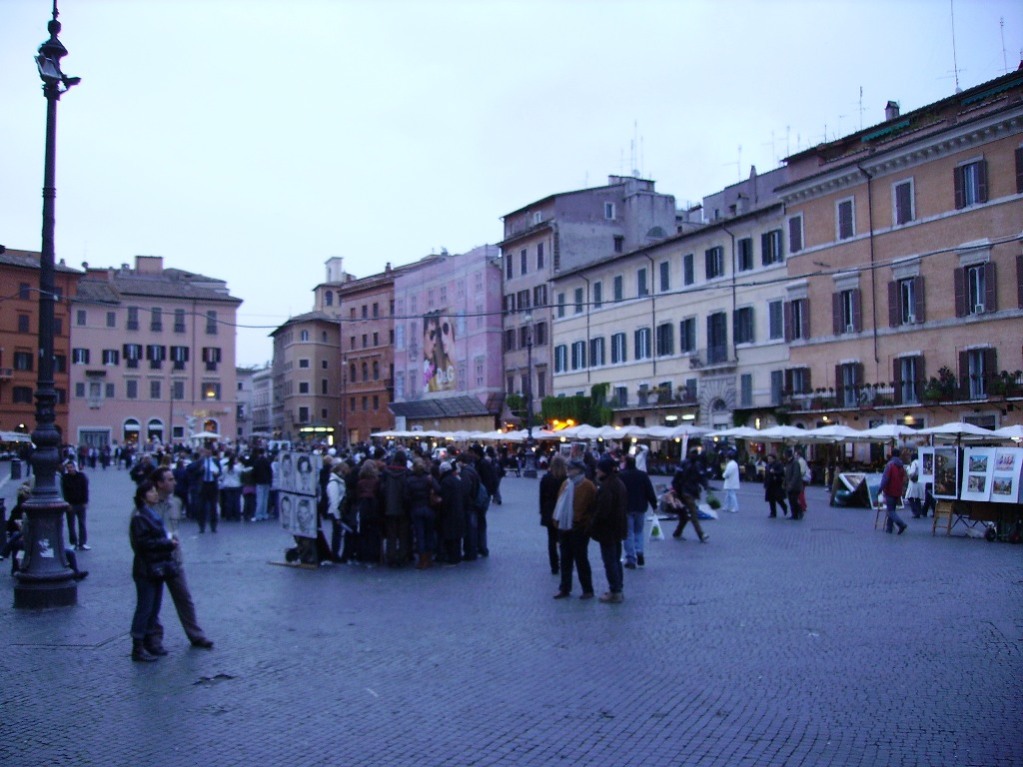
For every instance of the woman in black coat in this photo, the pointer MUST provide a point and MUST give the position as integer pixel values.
(550, 486)
(774, 485)
(452, 514)
(154, 559)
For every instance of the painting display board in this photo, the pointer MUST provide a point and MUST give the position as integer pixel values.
(926, 457)
(853, 490)
(1006, 475)
(873, 483)
(978, 467)
(299, 485)
(946, 473)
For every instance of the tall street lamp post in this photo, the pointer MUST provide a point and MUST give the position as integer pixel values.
(46, 580)
(530, 469)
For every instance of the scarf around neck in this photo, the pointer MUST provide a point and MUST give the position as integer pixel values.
(564, 509)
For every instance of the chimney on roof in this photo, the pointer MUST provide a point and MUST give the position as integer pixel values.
(149, 264)
(891, 110)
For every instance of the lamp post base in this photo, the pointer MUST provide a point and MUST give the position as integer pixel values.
(45, 579)
(529, 471)
(40, 594)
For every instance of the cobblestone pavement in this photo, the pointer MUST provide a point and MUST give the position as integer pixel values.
(822, 642)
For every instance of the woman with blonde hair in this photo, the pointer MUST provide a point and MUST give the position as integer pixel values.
(550, 487)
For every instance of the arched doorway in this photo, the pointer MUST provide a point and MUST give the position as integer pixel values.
(130, 431)
(720, 415)
(154, 430)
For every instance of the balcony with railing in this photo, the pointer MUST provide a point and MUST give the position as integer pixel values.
(712, 359)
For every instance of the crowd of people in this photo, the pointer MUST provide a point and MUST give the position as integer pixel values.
(405, 506)
(410, 506)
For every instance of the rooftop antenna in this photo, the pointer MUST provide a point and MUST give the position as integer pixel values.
(955, 62)
(1005, 60)
(774, 157)
(861, 107)
(632, 150)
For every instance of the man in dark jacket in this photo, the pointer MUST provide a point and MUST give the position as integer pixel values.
(609, 526)
(688, 482)
(471, 484)
(793, 483)
(640, 492)
(397, 520)
(75, 487)
(262, 478)
(488, 477)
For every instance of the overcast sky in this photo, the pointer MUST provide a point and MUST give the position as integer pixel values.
(251, 141)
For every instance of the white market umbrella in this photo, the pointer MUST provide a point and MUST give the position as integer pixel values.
(583, 431)
(619, 433)
(688, 430)
(784, 434)
(887, 432)
(957, 431)
(836, 432)
(1014, 433)
(656, 432)
(736, 432)
(544, 435)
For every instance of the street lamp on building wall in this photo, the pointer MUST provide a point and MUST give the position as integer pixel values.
(46, 580)
(530, 469)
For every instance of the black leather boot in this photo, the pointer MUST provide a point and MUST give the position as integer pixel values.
(140, 654)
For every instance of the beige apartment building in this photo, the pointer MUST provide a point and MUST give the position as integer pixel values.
(687, 329)
(906, 238)
(152, 356)
(306, 374)
(563, 232)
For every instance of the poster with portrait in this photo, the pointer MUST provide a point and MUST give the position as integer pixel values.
(978, 466)
(1006, 475)
(925, 455)
(438, 352)
(299, 486)
(946, 473)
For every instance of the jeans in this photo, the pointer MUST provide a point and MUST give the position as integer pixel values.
(76, 511)
(574, 545)
(611, 553)
(892, 517)
(424, 530)
(636, 521)
(230, 503)
(262, 502)
(336, 536)
(149, 594)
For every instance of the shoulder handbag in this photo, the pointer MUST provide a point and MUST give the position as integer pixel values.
(161, 571)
